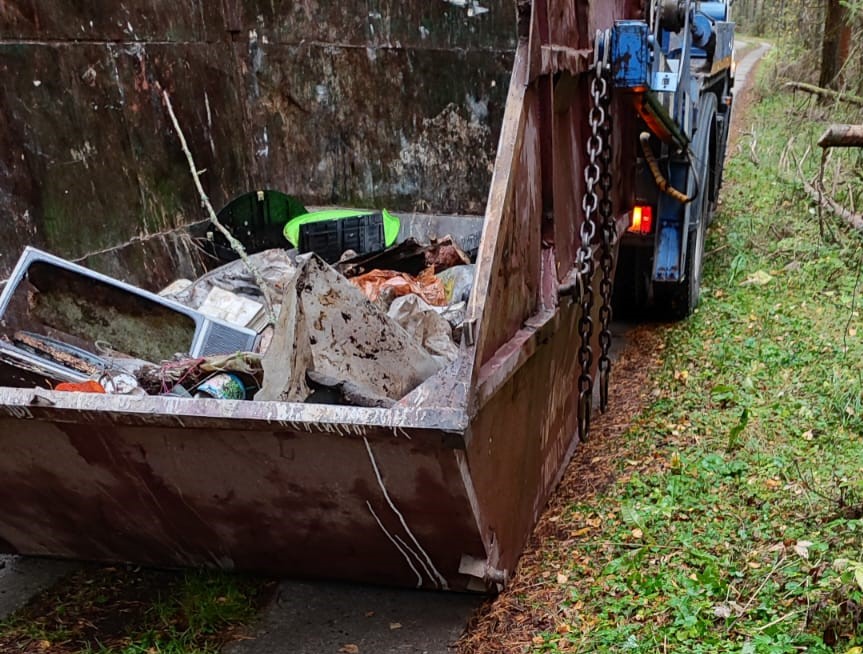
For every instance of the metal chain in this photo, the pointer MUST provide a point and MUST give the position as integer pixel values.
(608, 230)
(584, 258)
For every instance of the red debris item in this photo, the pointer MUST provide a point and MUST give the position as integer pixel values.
(444, 254)
(426, 285)
(88, 386)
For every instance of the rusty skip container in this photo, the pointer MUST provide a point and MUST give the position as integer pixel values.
(440, 491)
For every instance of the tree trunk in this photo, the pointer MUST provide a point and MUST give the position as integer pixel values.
(836, 32)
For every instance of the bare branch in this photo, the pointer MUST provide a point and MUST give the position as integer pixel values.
(826, 93)
(236, 246)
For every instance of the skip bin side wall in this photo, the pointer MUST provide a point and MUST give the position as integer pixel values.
(300, 490)
(380, 103)
(523, 404)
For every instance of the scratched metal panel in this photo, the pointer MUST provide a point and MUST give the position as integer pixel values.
(514, 287)
(107, 20)
(525, 431)
(403, 129)
(278, 500)
(438, 25)
(89, 161)
(65, 170)
(203, 84)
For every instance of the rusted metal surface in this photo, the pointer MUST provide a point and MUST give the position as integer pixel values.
(468, 458)
(294, 500)
(374, 104)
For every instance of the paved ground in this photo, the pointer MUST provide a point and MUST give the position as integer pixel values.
(21, 578)
(320, 618)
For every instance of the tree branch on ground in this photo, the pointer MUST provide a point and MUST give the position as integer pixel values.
(842, 136)
(825, 93)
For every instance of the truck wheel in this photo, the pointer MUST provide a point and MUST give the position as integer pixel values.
(676, 301)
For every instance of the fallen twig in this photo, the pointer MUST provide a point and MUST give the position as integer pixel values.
(753, 145)
(826, 93)
(854, 220)
(236, 246)
(757, 592)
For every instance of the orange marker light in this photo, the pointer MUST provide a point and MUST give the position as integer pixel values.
(642, 220)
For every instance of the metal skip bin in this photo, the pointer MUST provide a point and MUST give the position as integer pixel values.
(441, 490)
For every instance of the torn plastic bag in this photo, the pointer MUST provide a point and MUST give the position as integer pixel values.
(457, 282)
(274, 265)
(426, 325)
(426, 285)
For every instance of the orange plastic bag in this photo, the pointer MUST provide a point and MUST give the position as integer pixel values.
(88, 386)
(426, 285)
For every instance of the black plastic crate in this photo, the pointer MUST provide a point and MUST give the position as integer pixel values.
(330, 238)
(257, 220)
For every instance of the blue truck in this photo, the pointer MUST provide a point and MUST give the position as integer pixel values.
(676, 70)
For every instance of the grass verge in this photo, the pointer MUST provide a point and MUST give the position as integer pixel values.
(133, 611)
(730, 518)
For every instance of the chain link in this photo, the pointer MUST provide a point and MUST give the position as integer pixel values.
(597, 145)
(608, 229)
(598, 215)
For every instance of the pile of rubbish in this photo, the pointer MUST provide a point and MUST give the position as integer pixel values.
(363, 329)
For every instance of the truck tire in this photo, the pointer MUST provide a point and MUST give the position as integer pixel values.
(676, 301)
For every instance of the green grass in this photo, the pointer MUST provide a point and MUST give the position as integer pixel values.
(740, 529)
(133, 611)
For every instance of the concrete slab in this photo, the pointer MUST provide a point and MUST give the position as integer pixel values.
(21, 578)
(324, 618)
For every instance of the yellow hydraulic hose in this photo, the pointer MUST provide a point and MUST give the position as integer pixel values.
(661, 182)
